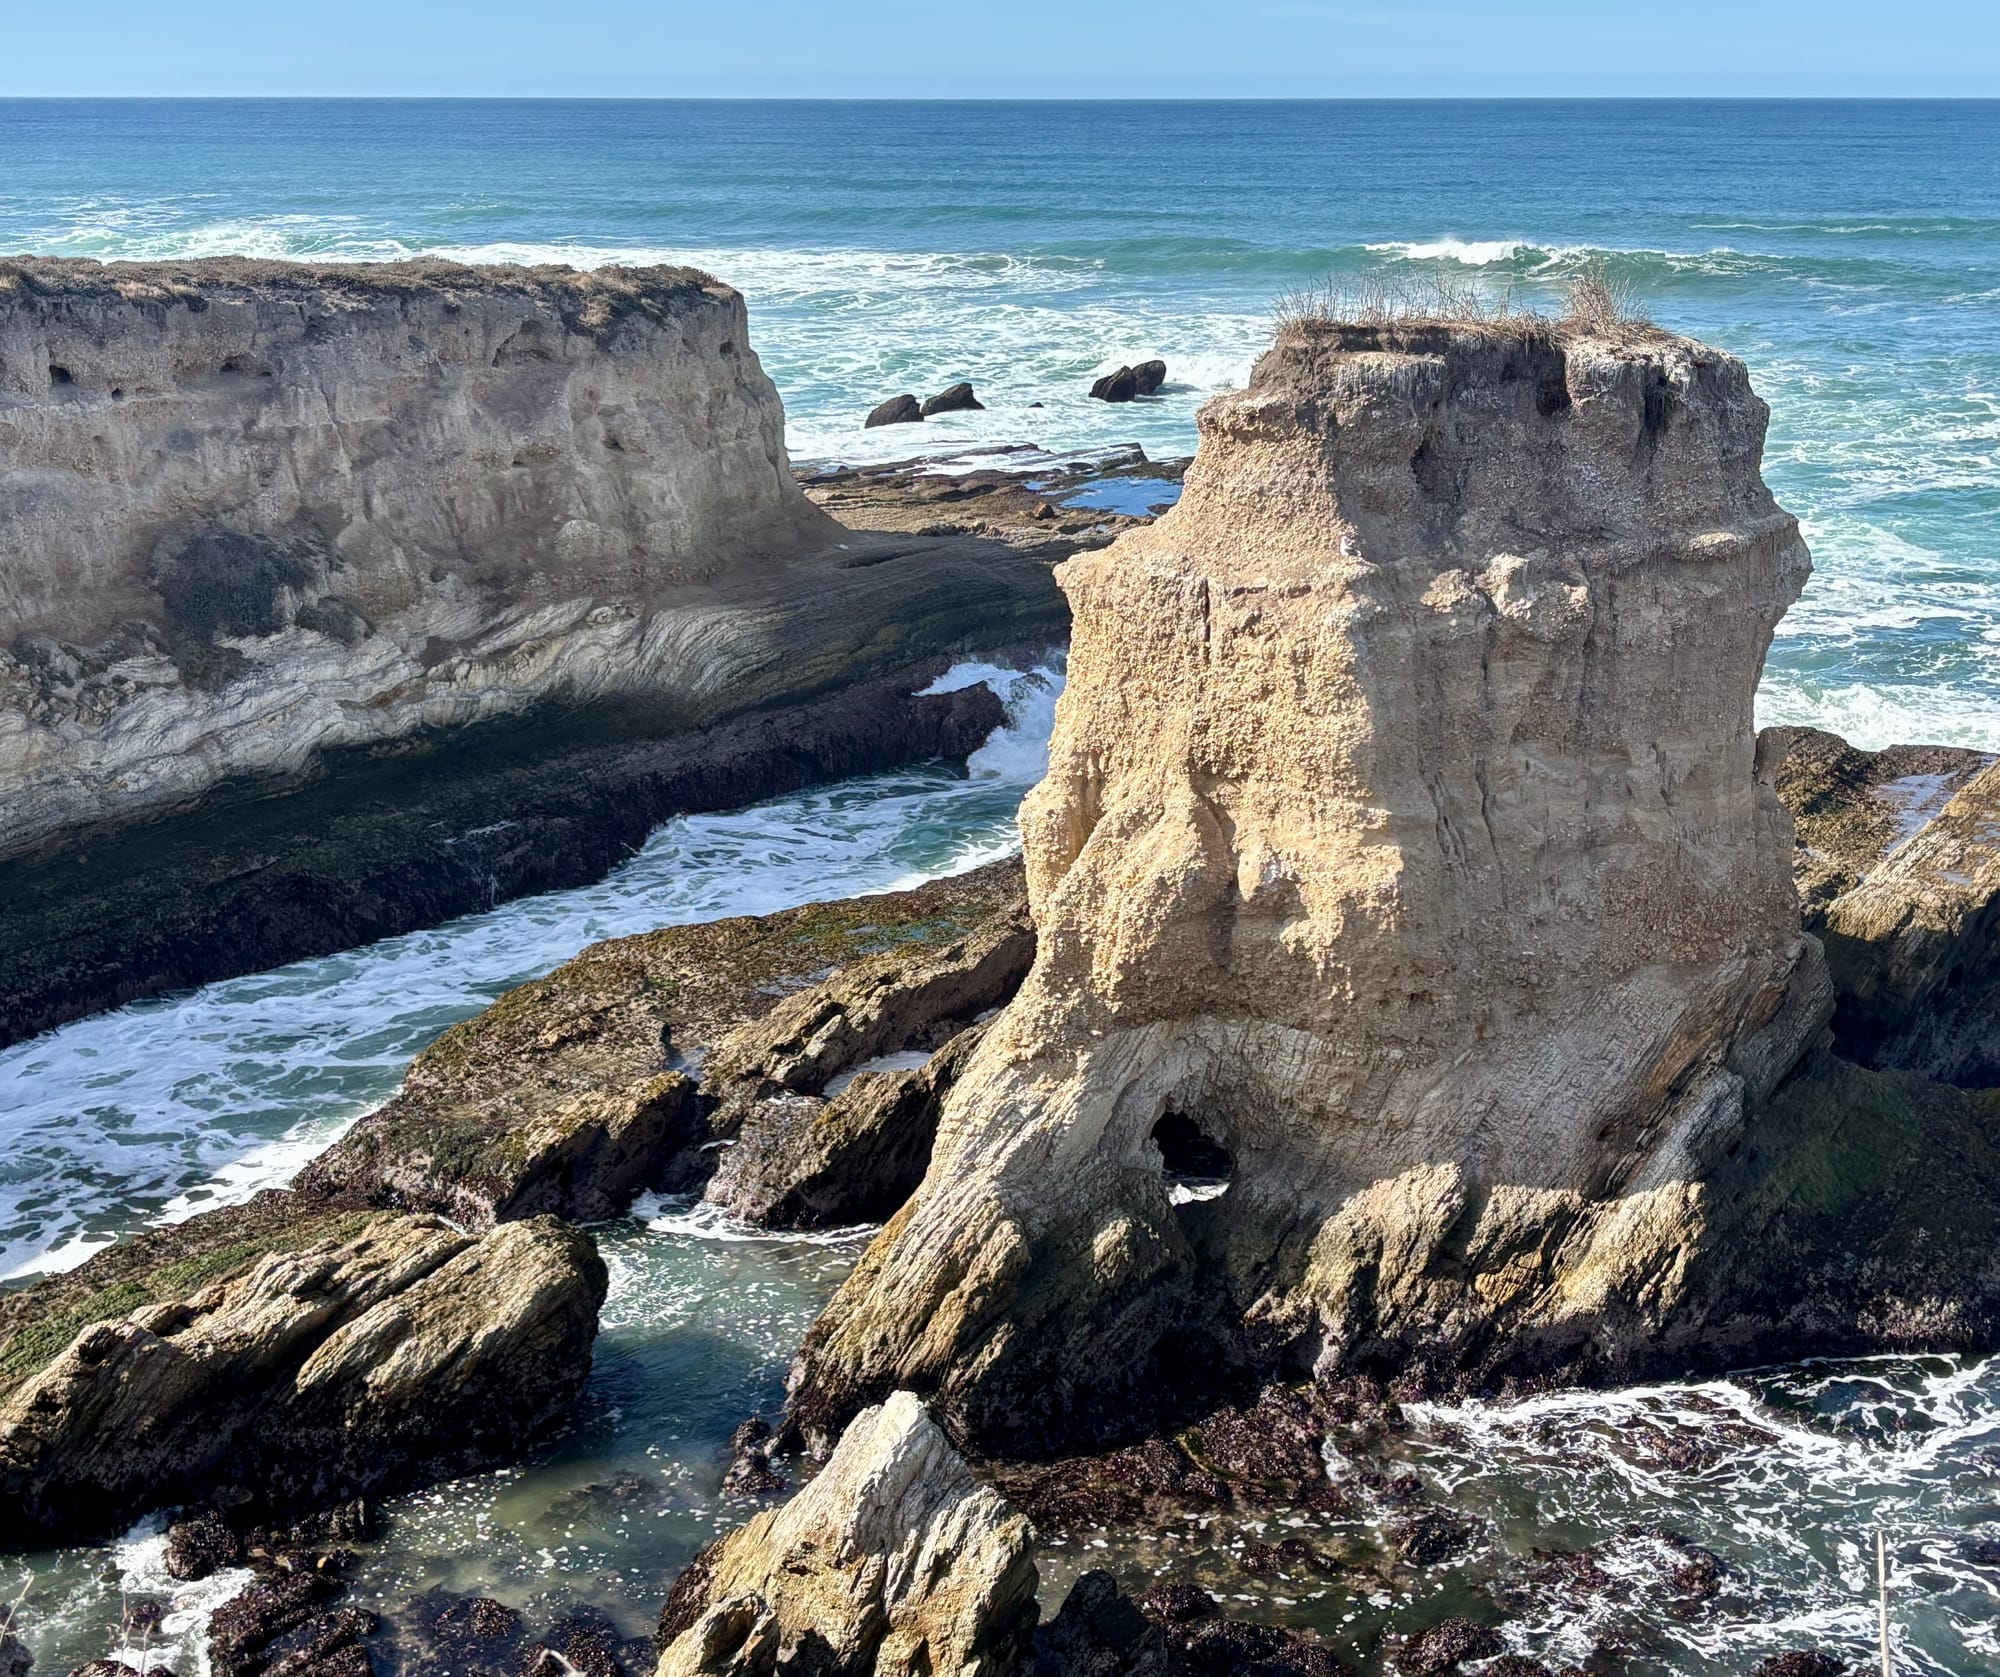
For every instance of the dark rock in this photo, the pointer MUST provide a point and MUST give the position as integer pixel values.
(288, 1615)
(104, 1668)
(1445, 1646)
(1121, 386)
(1433, 1537)
(15, 1660)
(1230, 1648)
(1802, 1664)
(1148, 376)
(1100, 1633)
(750, 1471)
(1180, 1604)
(898, 410)
(312, 1353)
(199, 1546)
(958, 399)
(1516, 1665)
(587, 1642)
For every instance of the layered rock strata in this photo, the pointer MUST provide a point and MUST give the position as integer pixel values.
(263, 522)
(1409, 874)
(632, 1066)
(895, 1561)
(286, 1356)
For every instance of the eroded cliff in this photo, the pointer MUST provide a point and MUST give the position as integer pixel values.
(1416, 922)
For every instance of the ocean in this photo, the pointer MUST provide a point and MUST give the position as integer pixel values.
(1848, 251)
(1851, 254)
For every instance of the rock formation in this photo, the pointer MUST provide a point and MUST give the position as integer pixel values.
(898, 410)
(253, 511)
(291, 1354)
(278, 526)
(893, 1561)
(957, 398)
(628, 1067)
(1407, 861)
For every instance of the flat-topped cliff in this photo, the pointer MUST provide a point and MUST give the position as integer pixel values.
(1417, 933)
(253, 510)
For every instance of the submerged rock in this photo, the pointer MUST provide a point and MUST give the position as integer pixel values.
(957, 399)
(1418, 952)
(898, 410)
(288, 1354)
(893, 1560)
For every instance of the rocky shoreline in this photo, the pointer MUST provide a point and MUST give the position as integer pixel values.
(1422, 982)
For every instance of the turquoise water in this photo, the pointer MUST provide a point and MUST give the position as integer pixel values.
(1849, 251)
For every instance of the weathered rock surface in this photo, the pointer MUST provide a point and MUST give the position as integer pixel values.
(261, 523)
(898, 410)
(254, 510)
(1148, 376)
(893, 1560)
(958, 398)
(1406, 844)
(571, 1094)
(1121, 386)
(293, 1354)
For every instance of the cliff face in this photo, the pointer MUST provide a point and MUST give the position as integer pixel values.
(249, 511)
(1406, 869)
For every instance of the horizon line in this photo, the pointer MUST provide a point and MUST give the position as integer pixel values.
(1009, 99)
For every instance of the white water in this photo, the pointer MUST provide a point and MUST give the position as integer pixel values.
(175, 1105)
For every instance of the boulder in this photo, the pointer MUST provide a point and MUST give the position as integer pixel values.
(1121, 386)
(958, 399)
(802, 1163)
(289, 1354)
(1417, 938)
(15, 1660)
(616, 1072)
(895, 1559)
(1148, 376)
(898, 410)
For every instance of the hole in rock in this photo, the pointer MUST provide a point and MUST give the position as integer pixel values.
(59, 376)
(1196, 1166)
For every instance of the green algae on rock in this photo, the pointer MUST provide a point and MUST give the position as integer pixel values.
(574, 1093)
(287, 1355)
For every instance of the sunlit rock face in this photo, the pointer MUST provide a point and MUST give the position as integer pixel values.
(1406, 870)
(252, 510)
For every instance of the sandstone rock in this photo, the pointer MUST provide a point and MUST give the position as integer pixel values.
(571, 1094)
(893, 1560)
(1121, 386)
(274, 508)
(958, 399)
(1148, 376)
(1913, 952)
(295, 1353)
(898, 410)
(1406, 844)
(803, 1163)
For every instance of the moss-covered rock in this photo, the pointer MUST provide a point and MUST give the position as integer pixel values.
(571, 1094)
(286, 1354)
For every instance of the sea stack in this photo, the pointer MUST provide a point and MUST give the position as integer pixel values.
(1407, 871)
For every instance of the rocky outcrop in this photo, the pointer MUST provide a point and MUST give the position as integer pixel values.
(957, 398)
(289, 1354)
(855, 1157)
(1407, 860)
(894, 1560)
(898, 410)
(441, 536)
(254, 511)
(627, 1068)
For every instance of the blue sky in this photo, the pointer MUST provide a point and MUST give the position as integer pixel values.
(1000, 48)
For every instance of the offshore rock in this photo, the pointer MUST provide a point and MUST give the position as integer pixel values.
(289, 1355)
(1415, 915)
(624, 1068)
(894, 1560)
(898, 410)
(956, 399)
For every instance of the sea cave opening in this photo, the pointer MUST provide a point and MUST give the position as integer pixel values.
(1196, 1166)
